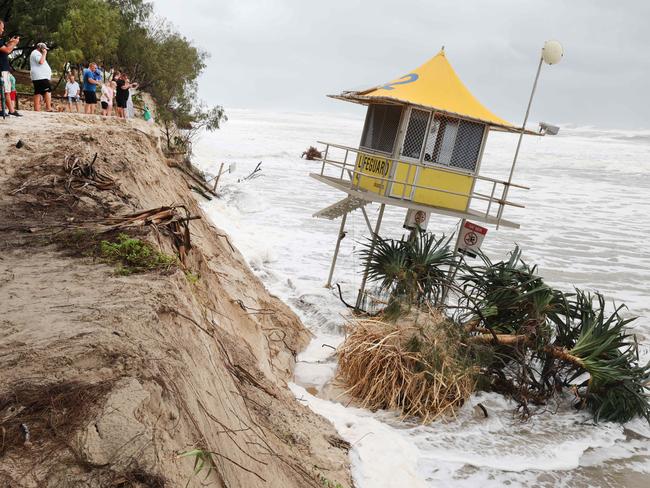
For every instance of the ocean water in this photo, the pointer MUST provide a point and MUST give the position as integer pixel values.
(585, 224)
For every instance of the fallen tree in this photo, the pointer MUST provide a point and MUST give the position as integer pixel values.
(512, 333)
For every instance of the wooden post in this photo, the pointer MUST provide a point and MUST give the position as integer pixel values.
(216, 180)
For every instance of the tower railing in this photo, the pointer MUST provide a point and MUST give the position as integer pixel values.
(345, 169)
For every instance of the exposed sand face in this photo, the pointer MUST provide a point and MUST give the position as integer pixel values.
(148, 365)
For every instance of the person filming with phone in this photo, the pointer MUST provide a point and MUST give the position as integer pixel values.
(41, 73)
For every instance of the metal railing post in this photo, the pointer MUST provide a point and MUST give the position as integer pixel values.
(453, 268)
(494, 186)
(408, 174)
(322, 168)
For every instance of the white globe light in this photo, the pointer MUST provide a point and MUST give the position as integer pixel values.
(552, 52)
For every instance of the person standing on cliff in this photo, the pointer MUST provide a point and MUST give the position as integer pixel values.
(5, 50)
(41, 73)
(91, 78)
(72, 93)
(106, 100)
(122, 94)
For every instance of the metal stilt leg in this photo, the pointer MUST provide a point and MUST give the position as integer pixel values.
(372, 249)
(336, 250)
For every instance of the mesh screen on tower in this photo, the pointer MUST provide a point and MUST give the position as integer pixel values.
(380, 131)
(415, 134)
(453, 142)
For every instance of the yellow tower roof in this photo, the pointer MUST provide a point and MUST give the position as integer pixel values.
(433, 85)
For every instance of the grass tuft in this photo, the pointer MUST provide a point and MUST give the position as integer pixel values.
(192, 278)
(133, 255)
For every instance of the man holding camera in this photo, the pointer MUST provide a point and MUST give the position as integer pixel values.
(40, 72)
(5, 49)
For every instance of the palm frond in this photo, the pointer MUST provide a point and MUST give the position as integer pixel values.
(414, 269)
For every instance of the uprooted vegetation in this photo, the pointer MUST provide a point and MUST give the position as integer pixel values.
(311, 154)
(416, 365)
(503, 330)
(80, 209)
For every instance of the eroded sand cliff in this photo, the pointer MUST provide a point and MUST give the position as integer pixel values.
(105, 379)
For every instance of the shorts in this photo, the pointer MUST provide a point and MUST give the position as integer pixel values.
(41, 87)
(13, 95)
(121, 103)
(104, 105)
(73, 99)
(90, 97)
(5, 81)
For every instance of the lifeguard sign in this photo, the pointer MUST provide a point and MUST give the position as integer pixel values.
(421, 149)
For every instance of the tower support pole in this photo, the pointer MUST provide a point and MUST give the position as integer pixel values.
(372, 250)
(336, 250)
(453, 269)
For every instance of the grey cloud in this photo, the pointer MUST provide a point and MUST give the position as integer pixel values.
(288, 54)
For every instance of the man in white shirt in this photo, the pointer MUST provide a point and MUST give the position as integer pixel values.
(71, 94)
(41, 73)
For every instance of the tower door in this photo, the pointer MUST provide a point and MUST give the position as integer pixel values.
(412, 145)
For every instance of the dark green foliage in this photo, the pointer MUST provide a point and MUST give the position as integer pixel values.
(78, 40)
(414, 270)
(568, 336)
(551, 340)
(34, 21)
(616, 389)
(134, 256)
(123, 35)
(508, 295)
(621, 401)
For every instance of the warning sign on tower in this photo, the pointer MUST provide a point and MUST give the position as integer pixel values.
(470, 239)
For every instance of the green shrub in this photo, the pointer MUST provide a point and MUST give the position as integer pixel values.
(134, 256)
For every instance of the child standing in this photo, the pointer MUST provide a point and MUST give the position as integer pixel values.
(72, 90)
(14, 94)
(106, 99)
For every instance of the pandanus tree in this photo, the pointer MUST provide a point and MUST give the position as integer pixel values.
(548, 340)
(413, 270)
(540, 340)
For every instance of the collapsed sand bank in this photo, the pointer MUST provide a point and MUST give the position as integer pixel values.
(114, 376)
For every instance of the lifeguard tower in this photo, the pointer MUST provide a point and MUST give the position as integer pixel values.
(421, 149)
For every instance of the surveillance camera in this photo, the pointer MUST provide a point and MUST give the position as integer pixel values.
(549, 129)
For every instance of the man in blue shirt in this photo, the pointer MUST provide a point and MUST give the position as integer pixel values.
(91, 78)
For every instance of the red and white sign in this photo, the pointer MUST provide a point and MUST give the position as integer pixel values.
(470, 239)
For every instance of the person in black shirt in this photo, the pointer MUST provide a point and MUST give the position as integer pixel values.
(122, 94)
(5, 49)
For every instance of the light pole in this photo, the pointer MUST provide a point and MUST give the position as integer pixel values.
(552, 53)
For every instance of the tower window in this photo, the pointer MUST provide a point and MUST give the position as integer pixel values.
(380, 130)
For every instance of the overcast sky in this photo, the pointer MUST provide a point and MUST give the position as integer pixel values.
(288, 54)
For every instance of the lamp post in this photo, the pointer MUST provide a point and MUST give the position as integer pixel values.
(552, 53)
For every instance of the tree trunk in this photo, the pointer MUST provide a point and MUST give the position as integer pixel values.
(514, 340)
